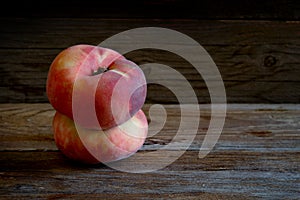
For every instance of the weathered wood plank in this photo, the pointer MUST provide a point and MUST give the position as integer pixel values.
(243, 161)
(61, 33)
(114, 196)
(24, 74)
(237, 92)
(238, 174)
(258, 60)
(236, 63)
(261, 128)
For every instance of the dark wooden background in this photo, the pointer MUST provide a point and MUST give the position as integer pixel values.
(255, 44)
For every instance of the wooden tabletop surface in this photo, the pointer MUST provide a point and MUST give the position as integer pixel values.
(256, 156)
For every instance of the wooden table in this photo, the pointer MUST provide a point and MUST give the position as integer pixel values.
(256, 156)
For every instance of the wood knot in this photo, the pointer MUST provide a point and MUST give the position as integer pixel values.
(270, 61)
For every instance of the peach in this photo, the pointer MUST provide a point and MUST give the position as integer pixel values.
(96, 87)
(95, 146)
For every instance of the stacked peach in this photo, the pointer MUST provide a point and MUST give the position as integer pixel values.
(98, 96)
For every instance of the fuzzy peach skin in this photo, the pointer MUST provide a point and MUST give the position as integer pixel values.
(95, 146)
(75, 90)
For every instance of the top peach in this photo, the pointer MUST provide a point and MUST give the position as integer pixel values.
(96, 87)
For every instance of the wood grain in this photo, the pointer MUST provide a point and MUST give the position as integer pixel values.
(62, 32)
(28, 127)
(257, 156)
(258, 60)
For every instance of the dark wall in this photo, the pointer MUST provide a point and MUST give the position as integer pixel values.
(204, 9)
(255, 44)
